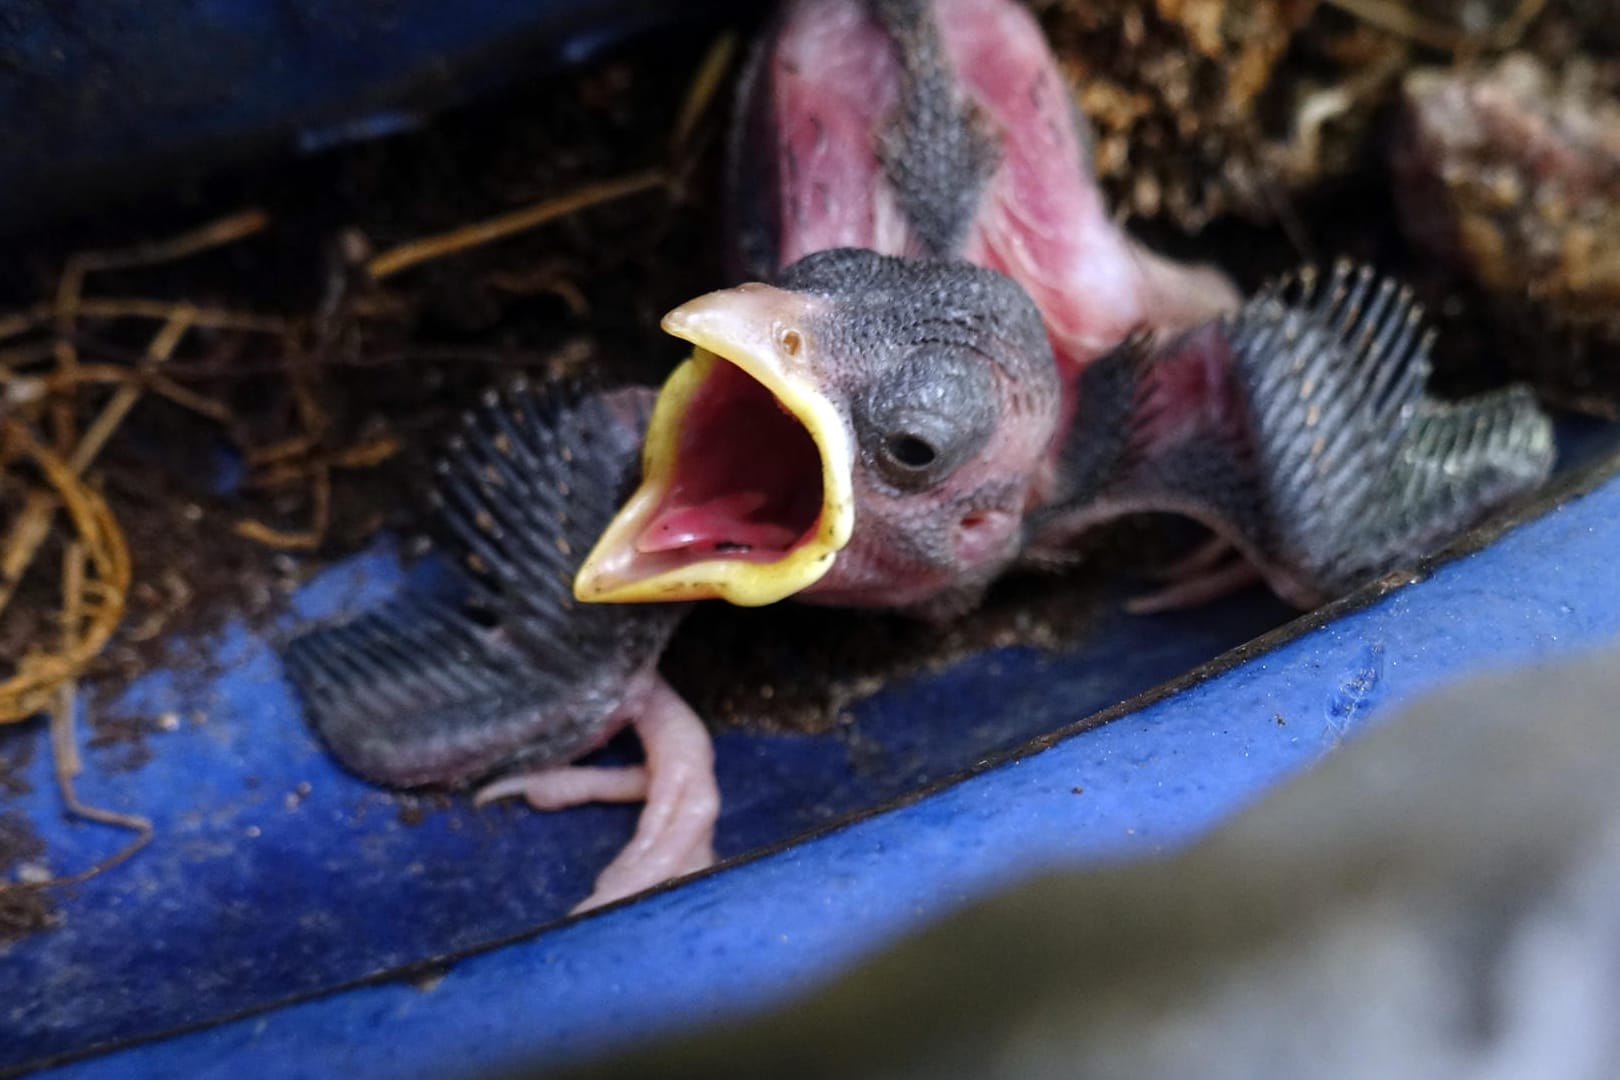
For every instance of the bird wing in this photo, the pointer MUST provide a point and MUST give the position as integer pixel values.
(514, 672)
(1300, 428)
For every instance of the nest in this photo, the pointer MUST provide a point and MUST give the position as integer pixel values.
(1208, 108)
(1172, 89)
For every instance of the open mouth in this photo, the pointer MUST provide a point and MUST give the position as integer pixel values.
(747, 480)
(746, 471)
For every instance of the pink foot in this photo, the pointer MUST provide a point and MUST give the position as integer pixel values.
(1204, 557)
(675, 834)
(1200, 588)
(570, 785)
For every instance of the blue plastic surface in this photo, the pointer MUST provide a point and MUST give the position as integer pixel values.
(254, 892)
(274, 873)
(101, 98)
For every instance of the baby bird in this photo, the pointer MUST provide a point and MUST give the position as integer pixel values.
(949, 362)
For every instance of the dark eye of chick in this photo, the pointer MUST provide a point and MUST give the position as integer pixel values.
(911, 451)
(921, 419)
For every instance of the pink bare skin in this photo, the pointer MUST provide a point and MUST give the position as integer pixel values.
(1044, 223)
(1042, 220)
(833, 77)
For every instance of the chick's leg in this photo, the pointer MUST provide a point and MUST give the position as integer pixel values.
(675, 834)
(436, 689)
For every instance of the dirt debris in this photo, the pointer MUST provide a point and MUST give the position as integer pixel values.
(1510, 179)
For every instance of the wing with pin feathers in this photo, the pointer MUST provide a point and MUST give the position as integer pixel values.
(1299, 429)
(514, 674)
(941, 128)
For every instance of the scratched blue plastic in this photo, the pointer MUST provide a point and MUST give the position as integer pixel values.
(246, 896)
(268, 891)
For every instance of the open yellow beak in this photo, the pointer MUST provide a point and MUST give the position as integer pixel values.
(705, 414)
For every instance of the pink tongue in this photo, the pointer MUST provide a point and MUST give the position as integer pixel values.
(719, 522)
